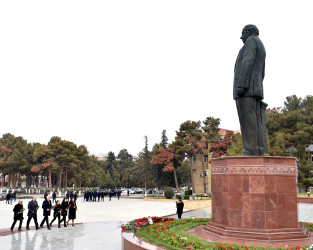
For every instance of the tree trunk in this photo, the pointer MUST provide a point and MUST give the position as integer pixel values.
(3, 180)
(203, 172)
(19, 180)
(60, 180)
(66, 179)
(192, 182)
(63, 180)
(13, 181)
(175, 177)
(49, 169)
(8, 185)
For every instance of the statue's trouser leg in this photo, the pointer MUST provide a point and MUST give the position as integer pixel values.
(249, 113)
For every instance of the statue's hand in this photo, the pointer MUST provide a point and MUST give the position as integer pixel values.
(240, 91)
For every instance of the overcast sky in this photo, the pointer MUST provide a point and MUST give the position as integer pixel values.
(107, 73)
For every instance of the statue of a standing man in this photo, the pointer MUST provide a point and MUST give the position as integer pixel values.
(248, 90)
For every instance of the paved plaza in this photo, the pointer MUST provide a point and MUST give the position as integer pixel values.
(122, 210)
(98, 224)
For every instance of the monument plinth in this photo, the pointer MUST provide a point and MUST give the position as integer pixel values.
(255, 197)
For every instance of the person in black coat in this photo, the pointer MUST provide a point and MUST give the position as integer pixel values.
(180, 208)
(57, 213)
(71, 195)
(118, 194)
(94, 196)
(67, 195)
(75, 196)
(64, 208)
(102, 196)
(14, 195)
(99, 195)
(32, 212)
(72, 212)
(18, 215)
(46, 206)
(8, 198)
(54, 196)
(110, 194)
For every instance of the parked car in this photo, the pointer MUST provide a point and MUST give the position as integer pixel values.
(125, 191)
(152, 190)
(138, 190)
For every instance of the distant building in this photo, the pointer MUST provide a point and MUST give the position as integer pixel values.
(204, 179)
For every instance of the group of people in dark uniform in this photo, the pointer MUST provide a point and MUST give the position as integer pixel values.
(93, 196)
(63, 209)
(71, 196)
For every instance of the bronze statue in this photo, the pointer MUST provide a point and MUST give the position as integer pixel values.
(248, 91)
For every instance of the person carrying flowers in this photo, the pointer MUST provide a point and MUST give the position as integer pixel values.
(57, 213)
(46, 206)
(72, 211)
(64, 208)
(18, 215)
(32, 212)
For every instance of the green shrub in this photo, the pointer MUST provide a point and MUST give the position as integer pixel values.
(178, 196)
(168, 193)
(188, 192)
(186, 197)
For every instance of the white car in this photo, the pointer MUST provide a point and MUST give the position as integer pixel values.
(124, 191)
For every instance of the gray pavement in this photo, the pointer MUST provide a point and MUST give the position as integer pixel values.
(102, 235)
(82, 236)
(305, 212)
(201, 213)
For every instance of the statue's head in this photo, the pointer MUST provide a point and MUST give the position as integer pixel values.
(249, 30)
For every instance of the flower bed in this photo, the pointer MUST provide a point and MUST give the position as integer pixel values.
(134, 225)
(171, 234)
(308, 225)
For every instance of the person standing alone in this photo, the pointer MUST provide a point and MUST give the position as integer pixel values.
(180, 208)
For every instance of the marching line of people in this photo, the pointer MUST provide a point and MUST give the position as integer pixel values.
(64, 209)
(93, 196)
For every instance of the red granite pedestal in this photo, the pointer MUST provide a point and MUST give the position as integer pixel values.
(255, 198)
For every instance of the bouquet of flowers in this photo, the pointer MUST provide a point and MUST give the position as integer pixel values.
(20, 212)
(37, 207)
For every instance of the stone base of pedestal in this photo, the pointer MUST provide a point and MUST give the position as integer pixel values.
(255, 197)
(203, 233)
(265, 235)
